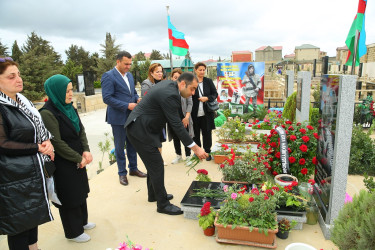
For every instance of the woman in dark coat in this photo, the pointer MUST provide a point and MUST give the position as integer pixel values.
(72, 155)
(203, 120)
(24, 148)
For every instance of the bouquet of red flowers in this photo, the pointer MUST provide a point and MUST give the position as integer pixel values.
(302, 142)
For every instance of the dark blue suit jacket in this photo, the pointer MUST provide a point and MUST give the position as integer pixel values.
(117, 96)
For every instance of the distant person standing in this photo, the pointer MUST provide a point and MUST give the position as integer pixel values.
(118, 90)
(155, 75)
(186, 107)
(203, 120)
(252, 84)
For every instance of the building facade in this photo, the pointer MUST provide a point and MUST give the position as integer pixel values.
(269, 54)
(306, 52)
(242, 56)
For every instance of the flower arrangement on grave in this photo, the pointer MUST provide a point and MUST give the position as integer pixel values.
(206, 216)
(367, 109)
(302, 143)
(290, 197)
(252, 208)
(250, 169)
(232, 131)
(202, 175)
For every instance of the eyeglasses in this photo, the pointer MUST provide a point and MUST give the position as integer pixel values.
(6, 59)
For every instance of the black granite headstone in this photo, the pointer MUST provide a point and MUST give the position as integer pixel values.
(89, 78)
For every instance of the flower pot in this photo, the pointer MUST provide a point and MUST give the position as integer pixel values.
(218, 159)
(285, 179)
(209, 231)
(283, 235)
(242, 235)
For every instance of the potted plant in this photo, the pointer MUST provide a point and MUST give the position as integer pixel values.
(250, 169)
(203, 175)
(232, 131)
(207, 219)
(285, 226)
(248, 217)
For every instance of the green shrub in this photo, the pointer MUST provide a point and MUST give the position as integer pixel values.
(362, 152)
(357, 115)
(261, 112)
(314, 117)
(369, 183)
(290, 107)
(354, 228)
(97, 84)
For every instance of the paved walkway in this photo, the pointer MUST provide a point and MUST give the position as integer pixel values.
(121, 211)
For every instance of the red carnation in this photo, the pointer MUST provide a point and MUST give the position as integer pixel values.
(255, 191)
(298, 124)
(316, 136)
(311, 181)
(222, 165)
(289, 151)
(293, 137)
(46, 99)
(314, 161)
(254, 169)
(262, 173)
(302, 130)
(305, 138)
(202, 171)
(309, 127)
(266, 197)
(304, 171)
(292, 159)
(273, 144)
(288, 122)
(276, 188)
(302, 161)
(258, 126)
(290, 128)
(283, 126)
(274, 173)
(277, 155)
(270, 159)
(303, 148)
(251, 199)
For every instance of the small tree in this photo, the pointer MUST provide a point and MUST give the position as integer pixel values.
(156, 55)
(16, 52)
(109, 51)
(3, 50)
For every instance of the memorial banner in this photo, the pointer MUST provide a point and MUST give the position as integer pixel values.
(241, 84)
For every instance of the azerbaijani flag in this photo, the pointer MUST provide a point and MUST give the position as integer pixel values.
(358, 24)
(177, 43)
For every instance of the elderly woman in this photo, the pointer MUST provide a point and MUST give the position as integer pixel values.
(24, 148)
(155, 75)
(186, 106)
(72, 155)
(203, 120)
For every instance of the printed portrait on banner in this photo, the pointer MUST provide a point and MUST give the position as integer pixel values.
(241, 84)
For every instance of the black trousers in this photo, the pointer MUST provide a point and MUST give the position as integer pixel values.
(177, 144)
(154, 164)
(201, 124)
(73, 220)
(22, 240)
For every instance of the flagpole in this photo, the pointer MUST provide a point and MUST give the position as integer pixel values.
(170, 52)
(352, 72)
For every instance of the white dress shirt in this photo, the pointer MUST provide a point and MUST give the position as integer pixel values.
(125, 79)
(200, 108)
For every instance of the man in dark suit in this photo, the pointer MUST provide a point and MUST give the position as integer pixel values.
(161, 104)
(119, 94)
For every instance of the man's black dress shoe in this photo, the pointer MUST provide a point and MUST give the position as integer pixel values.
(124, 180)
(169, 197)
(170, 209)
(209, 158)
(138, 173)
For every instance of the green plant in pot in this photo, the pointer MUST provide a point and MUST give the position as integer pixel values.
(207, 219)
(284, 227)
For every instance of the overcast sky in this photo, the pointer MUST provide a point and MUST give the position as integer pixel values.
(212, 28)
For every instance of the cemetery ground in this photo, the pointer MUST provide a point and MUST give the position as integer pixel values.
(121, 211)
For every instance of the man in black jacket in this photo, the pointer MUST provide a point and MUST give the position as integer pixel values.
(161, 104)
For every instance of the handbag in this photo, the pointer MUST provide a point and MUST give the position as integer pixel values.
(211, 106)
